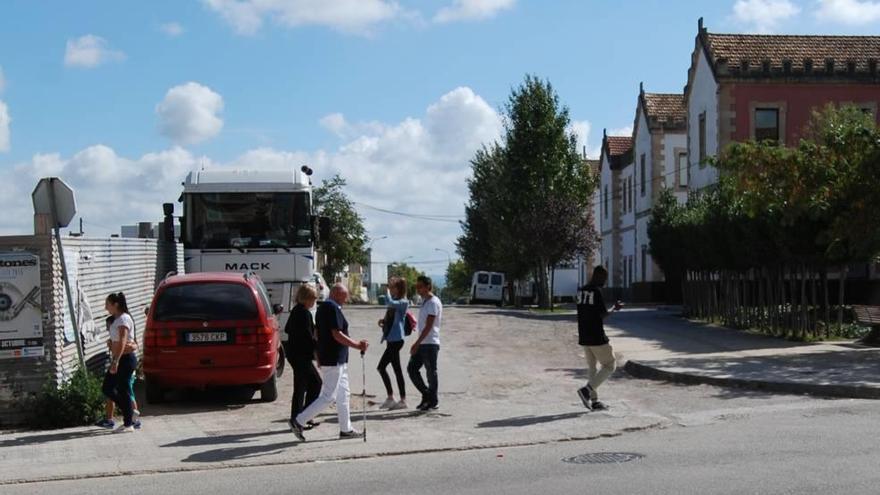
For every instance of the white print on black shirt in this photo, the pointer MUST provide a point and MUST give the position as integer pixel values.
(587, 297)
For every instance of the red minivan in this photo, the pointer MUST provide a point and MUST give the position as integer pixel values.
(212, 329)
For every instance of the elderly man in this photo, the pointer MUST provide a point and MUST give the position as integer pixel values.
(333, 344)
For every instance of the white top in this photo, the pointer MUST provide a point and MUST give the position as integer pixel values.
(431, 307)
(123, 320)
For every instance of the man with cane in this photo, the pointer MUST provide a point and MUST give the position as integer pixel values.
(333, 345)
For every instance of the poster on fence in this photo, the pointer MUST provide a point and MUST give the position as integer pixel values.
(21, 316)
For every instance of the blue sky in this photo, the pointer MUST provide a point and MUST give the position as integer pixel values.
(394, 95)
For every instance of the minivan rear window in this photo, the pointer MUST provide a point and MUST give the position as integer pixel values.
(206, 301)
(483, 278)
(496, 279)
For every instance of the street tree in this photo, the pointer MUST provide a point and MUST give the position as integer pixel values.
(347, 241)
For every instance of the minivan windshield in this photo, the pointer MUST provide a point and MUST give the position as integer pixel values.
(247, 220)
(206, 301)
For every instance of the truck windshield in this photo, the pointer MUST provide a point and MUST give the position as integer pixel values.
(247, 220)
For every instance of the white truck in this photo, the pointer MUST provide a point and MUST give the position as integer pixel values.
(257, 221)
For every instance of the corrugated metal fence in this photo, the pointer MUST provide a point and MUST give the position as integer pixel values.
(97, 267)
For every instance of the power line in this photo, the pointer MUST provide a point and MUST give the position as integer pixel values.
(428, 217)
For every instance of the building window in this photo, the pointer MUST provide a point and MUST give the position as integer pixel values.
(606, 201)
(632, 191)
(767, 124)
(682, 170)
(642, 171)
(702, 138)
(644, 263)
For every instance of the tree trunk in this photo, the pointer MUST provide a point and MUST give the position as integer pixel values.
(826, 306)
(841, 292)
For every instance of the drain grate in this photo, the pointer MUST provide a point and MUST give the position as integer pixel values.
(603, 458)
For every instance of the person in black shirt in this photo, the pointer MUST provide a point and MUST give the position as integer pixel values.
(591, 311)
(300, 351)
(333, 344)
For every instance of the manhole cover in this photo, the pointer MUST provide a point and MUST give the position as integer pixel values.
(603, 458)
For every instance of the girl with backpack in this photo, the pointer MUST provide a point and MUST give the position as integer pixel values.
(395, 327)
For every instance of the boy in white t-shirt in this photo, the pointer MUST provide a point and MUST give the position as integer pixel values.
(426, 348)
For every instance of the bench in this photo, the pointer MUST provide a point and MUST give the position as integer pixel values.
(869, 316)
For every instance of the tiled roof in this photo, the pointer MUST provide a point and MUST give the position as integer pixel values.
(619, 145)
(797, 50)
(665, 107)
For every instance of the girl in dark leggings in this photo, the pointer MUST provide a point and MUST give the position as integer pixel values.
(393, 335)
(123, 359)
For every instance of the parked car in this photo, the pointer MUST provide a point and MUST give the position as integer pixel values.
(321, 285)
(212, 329)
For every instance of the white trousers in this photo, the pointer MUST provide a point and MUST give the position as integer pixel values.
(334, 389)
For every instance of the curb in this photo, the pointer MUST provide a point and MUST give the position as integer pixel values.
(641, 370)
(335, 458)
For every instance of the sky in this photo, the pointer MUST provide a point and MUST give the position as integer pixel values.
(122, 99)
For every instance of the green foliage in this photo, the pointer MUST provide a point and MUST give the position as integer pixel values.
(409, 273)
(348, 238)
(530, 196)
(458, 280)
(77, 402)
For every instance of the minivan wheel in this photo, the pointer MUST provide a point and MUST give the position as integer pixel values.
(155, 393)
(279, 366)
(269, 390)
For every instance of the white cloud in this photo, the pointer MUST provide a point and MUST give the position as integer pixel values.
(172, 29)
(581, 129)
(189, 113)
(350, 16)
(416, 165)
(5, 120)
(467, 10)
(764, 16)
(111, 190)
(621, 131)
(90, 51)
(852, 12)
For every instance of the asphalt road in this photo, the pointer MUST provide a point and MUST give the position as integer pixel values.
(813, 447)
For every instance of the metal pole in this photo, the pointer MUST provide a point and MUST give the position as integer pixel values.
(364, 394)
(70, 306)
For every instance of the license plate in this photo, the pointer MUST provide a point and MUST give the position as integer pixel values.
(203, 337)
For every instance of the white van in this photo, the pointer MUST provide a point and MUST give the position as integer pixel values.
(487, 288)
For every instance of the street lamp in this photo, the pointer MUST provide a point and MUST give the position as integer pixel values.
(448, 257)
(370, 267)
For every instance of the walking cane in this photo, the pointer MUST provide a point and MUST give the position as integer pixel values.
(364, 394)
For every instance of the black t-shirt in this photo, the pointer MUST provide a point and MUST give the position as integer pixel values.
(591, 309)
(329, 317)
(301, 338)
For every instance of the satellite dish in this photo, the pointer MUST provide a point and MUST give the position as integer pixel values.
(54, 198)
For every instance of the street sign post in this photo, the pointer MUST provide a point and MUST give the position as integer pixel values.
(55, 198)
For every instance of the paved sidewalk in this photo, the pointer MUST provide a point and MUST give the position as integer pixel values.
(504, 382)
(657, 344)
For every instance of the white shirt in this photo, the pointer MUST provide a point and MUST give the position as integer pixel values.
(431, 307)
(123, 320)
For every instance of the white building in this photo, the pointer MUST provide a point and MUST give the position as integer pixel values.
(615, 157)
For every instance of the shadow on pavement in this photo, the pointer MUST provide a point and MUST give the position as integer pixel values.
(190, 401)
(52, 437)
(238, 453)
(223, 439)
(520, 421)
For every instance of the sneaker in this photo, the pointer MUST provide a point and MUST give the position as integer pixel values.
(398, 406)
(388, 404)
(124, 429)
(297, 430)
(592, 392)
(137, 424)
(584, 394)
(106, 423)
(429, 406)
(344, 435)
(598, 406)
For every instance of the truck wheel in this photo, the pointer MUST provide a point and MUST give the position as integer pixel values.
(155, 393)
(269, 390)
